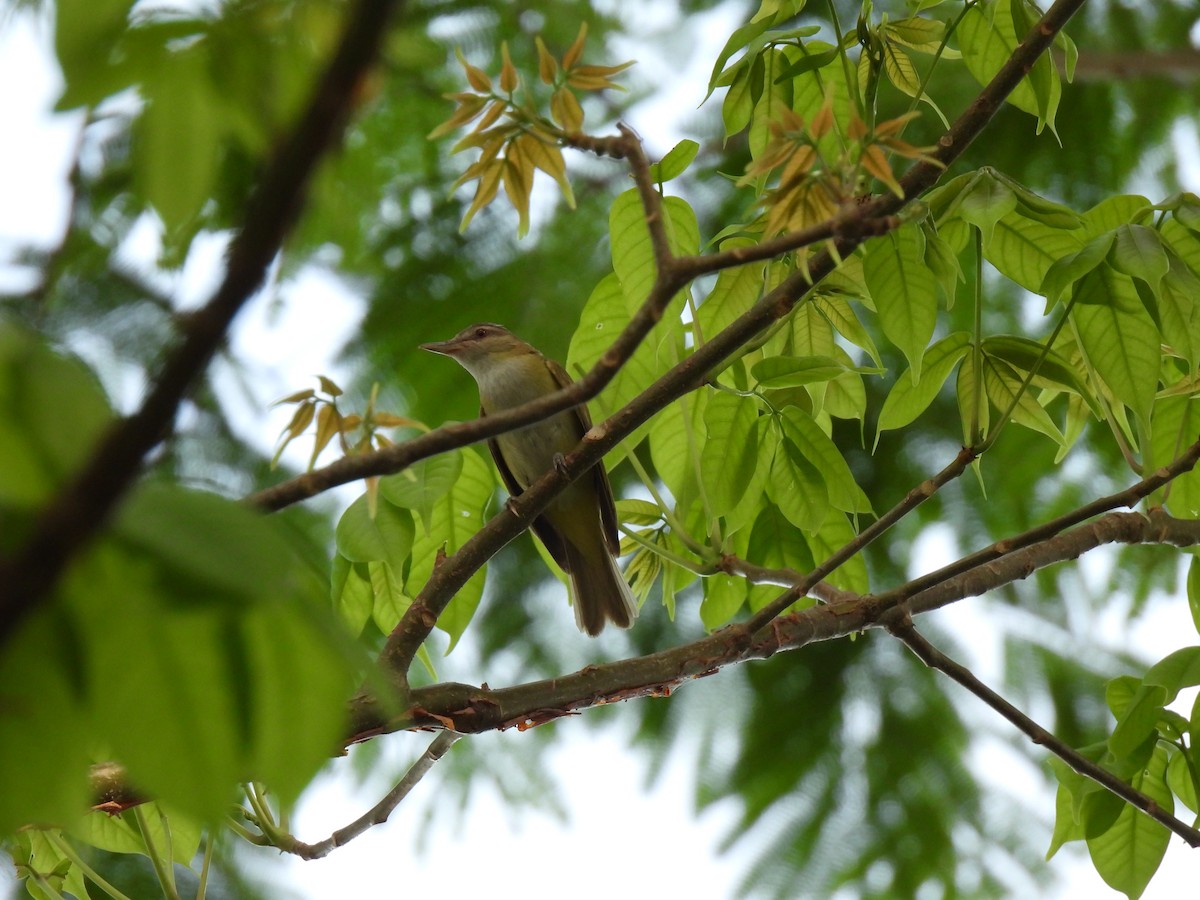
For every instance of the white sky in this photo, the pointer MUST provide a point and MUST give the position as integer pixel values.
(620, 840)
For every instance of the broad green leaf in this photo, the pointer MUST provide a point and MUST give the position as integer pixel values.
(729, 454)
(1119, 337)
(906, 400)
(1069, 269)
(1053, 370)
(423, 483)
(905, 292)
(632, 253)
(1043, 76)
(724, 595)
(840, 314)
(121, 834)
(738, 105)
(675, 440)
(1179, 780)
(816, 446)
(973, 407)
(739, 39)
(798, 488)
(351, 593)
(987, 39)
(1174, 427)
(1138, 251)
(766, 440)
(985, 203)
(1024, 250)
(603, 317)
(1128, 854)
(776, 543)
(177, 138)
(1175, 310)
(675, 163)
(1066, 827)
(456, 518)
(774, 97)
(835, 532)
(386, 536)
(44, 728)
(85, 35)
(1175, 672)
(1193, 591)
(736, 290)
(1113, 212)
(389, 601)
(52, 411)
(793, 371)
(1003, 386)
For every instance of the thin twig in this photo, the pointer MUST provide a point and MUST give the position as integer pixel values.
(904, 631)
(379, 813)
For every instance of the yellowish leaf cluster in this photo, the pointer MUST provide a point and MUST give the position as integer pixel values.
(513, 136)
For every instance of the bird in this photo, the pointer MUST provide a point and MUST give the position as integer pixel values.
(579, 526)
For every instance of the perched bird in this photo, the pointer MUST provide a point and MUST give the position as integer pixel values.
(579, 527)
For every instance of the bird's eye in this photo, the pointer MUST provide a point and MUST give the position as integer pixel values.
(480, 332)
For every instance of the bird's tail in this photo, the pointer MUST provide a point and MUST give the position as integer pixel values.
(598, 590)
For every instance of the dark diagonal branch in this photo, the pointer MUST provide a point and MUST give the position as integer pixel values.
(79, 511)
(935, 659)
(468, 709)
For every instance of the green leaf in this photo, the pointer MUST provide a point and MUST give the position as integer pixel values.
(766, 439)
(907, 400)
(675, 445)
(1119, 337)
(793, 371)
(729, 455)
(973, 408)
(44, 739)
(456, 518)
(1053, 370)
(387, 536)
(1174, 427)
(1003, 386)
(1024, 250)
(1193, 591)
(834, 534)
(423, 483)
(797, 487)
(724, 595)
(739, 39)
(351, 593)
(736, 290)
(816, 446)
(905, 292)
(675, 163)
(1138, 251)
(632, 252)
(1066, 827)
(177, 139)
(1069, 269)
(985, 203)
(1128, 854)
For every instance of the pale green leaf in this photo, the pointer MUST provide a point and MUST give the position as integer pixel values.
(905, 291)
(906, 400)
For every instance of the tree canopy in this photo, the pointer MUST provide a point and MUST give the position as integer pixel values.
(905, 316)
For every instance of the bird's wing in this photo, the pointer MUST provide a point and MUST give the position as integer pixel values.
(541, 525)
(608, 506)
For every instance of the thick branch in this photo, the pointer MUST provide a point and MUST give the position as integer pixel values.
(80, 510)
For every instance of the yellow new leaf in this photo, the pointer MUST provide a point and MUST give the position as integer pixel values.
(489, 183)
(565, 109)
(547, 65)
(476, 77)
(509, 79)
(875, 161)
(469, 107)
(549, 159)
(576, 49)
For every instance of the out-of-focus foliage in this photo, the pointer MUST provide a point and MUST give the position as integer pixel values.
(847, 759)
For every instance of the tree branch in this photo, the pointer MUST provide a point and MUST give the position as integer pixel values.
(377, 814)
(904, 631)
(81, 508)
(421, 617)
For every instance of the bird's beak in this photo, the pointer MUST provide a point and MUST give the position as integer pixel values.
(445, 348)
